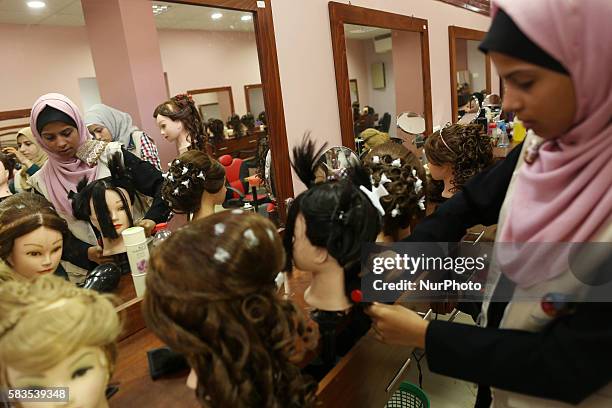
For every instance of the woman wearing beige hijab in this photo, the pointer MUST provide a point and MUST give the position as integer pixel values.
(31, 157)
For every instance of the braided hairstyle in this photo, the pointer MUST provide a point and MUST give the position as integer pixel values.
(216, 303)
(119, 181)
(406, 199)
(189, 176)
(469, 151)
(338, 215)
(181, 107)
(45, 321)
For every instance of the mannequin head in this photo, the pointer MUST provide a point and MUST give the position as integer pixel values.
(217, 129)
(326, 226)
(457, 153)
(248, 121)
(234, 123)
(178, 118)
(31, 235)
(107, 204)
(194, 180)
(7, 165)
(211, 296)
(53, 334)
(406, 200)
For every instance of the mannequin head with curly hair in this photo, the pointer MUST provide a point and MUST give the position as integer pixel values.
(53, 334)
(406, 186)
(457, 153)
(180, 122)
(216, 128)
(217, 305)
(194, 184)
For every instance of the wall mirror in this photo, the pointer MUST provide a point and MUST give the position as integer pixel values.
(10, 123)
(253, 95)
(470, 71)
(214, 103)
(386, 57)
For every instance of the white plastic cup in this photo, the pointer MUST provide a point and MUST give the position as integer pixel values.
(138, 255)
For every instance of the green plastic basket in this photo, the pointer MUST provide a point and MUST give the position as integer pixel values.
(408, 396)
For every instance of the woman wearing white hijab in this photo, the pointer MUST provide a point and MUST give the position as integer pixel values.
(111, 125)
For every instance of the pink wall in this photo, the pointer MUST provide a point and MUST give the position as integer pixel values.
(32, 65)
(408, 73)
(303, 42)
(358, 69)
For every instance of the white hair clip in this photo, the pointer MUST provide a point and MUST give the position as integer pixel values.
(396, 163)
(20, 206)
(201, 175)
(251, 239)
(395, 212)
(414, 173)
(376, 159)
(171, 177)
(384, 179)
(221, 255)
(184, 171)
(375, 195)
(176, 162)
(219, 229)
(421, 203)
(237, 211)
(418, 185)
(176, 191)
(185, 183)
(165, 175)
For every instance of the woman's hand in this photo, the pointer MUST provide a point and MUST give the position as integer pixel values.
(20, 156)
(94, 254)
(148, 226)
(395, 324)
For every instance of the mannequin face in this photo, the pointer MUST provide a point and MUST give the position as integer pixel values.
(219, 196)
(306, 256)
(440, 172)
(118, 213)
(4, 174)
(61, 139)
(85, 373)
(27, 148)
(36, 253)
(543, 99)
(101, 133)
(170, 129)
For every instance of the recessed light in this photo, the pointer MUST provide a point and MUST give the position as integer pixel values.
(216, 16)
(248, 17)
(36, 4)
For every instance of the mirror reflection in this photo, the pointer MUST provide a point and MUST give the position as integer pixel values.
(333, 163)
(471, 76)
(386, 78)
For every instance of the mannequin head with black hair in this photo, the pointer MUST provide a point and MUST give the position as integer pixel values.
(107, 204)
(326, 226)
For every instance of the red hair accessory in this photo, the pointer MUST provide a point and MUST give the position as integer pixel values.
(356, 296)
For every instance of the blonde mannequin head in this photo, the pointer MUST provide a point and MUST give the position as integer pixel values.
(49, 325)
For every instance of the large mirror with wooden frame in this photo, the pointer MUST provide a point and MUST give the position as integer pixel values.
(214, 103)
(470, 70)
(385, 57)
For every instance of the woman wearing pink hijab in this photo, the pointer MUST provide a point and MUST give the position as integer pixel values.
(549, 345)
(73, 155)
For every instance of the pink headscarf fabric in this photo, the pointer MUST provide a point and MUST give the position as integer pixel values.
(60, 175)
(566, 194)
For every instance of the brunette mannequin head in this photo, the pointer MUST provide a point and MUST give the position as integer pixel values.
(178, 118)
(211, 296)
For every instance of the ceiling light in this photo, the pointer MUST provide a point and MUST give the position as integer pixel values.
(247, 17)
(216, 16)
(472, 8)
(159, 8)
(36, 4)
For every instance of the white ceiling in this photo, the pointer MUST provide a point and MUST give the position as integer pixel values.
(357, 32)
(70, 13)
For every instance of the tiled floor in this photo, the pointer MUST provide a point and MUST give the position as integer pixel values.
(444, 392)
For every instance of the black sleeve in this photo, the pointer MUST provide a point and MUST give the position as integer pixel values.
(148, 181)
(567, 361)
(478, 203)
(75, 252)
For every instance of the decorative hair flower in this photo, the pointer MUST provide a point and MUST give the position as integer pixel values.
(219, 229)
(396, 163)
(421, 203)
(418, 185)
(165, 175)
(375, 195)
(270, 233)
(201, 175)
(251, 239)
(395, 212)
(184, 170)
(176, 191)
(185, 183)
(221, 255)
(376, 159)
(384, 179)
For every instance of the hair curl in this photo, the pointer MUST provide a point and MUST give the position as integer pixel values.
(181, 107)
(234, 123)
(217, 128)
(44, 321)
(189, 176)
(405, 193)
(469, 151)
(248, 121)
(9, 164)
(224, 315)
(23, 213)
